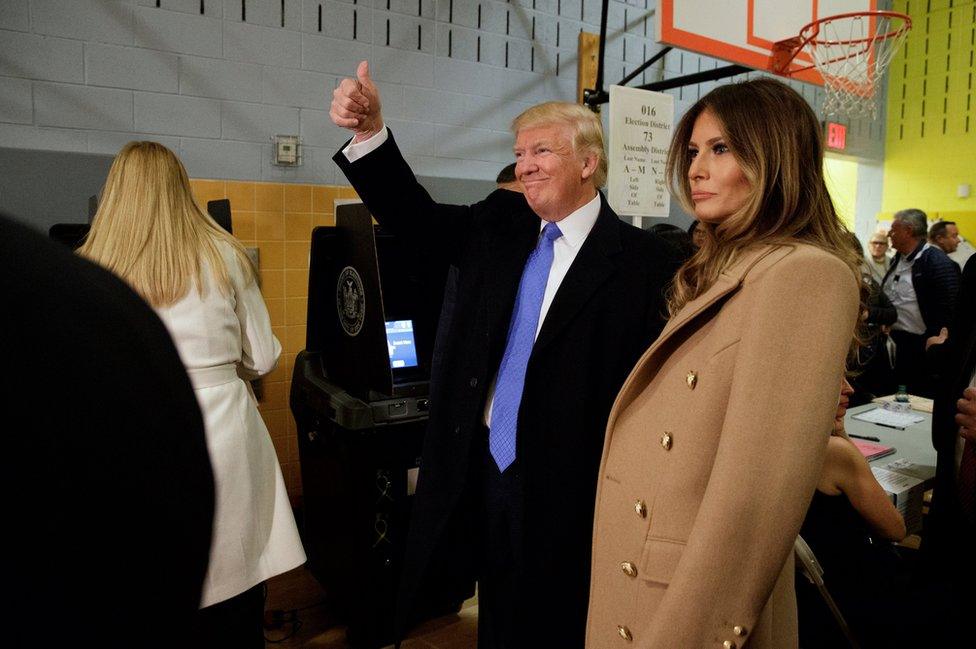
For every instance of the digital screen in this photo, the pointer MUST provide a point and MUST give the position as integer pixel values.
(401, 344)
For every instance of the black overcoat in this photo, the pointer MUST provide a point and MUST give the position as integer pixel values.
(608, 309)
(948, 531)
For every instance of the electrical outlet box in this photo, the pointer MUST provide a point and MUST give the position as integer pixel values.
(287, 150)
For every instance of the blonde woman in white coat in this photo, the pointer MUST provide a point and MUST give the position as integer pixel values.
(149, 231)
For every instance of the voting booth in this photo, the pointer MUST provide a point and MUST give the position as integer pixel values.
(360, 400)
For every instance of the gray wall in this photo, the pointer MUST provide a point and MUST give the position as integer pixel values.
(42, 188)
(86, 76)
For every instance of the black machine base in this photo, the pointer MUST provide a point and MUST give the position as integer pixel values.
(359, 462)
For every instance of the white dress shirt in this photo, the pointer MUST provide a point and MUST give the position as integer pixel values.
(356, 151)
(575, 228)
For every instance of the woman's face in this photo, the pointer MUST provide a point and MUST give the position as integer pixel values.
(845, 400)
(718, 186)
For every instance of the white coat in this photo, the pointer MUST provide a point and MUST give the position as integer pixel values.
(222, 339)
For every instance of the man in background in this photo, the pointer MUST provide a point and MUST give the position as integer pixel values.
(922, 284)
(876, 261)
(945, 235)
(506, 179)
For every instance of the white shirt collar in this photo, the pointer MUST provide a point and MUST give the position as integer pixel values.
(578, 224)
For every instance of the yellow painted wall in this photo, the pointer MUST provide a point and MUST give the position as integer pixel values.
(930, 145)
(841, 178)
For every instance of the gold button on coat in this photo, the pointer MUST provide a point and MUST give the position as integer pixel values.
(692, 379)
(640, 508)
(629, 569)
(666, 441)
(624, 633)
(739, 630)
(728, 644)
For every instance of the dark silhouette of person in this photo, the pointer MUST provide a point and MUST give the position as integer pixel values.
(107, 481)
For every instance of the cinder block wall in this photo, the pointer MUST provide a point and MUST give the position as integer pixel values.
(215, 79)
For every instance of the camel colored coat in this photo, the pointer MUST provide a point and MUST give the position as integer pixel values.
(712, 453)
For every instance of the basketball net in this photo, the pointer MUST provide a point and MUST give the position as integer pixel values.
(851, 52)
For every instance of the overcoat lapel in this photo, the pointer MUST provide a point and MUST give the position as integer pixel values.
(507, 250)
(591, 268)
(727, 284)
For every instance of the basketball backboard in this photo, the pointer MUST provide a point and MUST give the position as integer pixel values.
(744, 31)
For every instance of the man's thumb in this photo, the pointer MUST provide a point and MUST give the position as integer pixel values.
(362, 73)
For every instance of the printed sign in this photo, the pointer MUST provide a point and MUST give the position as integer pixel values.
(640, 133)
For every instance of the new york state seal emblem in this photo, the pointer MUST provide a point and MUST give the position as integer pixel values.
(350, 301)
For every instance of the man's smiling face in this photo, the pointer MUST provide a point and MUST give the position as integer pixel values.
(555, 177)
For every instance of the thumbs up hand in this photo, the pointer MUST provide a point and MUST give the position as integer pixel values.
(356, 105)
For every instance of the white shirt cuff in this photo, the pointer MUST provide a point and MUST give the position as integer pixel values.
(356, 151)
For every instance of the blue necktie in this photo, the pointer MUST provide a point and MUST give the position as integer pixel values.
(518, 348)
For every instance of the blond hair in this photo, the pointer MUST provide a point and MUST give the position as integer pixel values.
(150, 231)
(775, 137)
(587, 130)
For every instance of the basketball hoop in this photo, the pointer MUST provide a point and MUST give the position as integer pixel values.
(851, 52)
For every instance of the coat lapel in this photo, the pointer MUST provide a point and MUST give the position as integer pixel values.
(727, 283)
(591, 268)
(507, 250)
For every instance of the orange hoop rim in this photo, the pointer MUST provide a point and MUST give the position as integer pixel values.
(891, 33)
(809, 32)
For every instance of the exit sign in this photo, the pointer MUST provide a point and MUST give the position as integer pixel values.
(836, 136)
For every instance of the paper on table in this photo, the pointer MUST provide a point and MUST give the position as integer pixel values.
(909, 468)
(889, 418)
(917, 403)
(892, 481)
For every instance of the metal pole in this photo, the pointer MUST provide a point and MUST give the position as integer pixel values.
(698, 77)
(648, 63)
(603, 45)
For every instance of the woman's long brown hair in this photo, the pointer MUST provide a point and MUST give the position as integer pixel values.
(776, 138)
